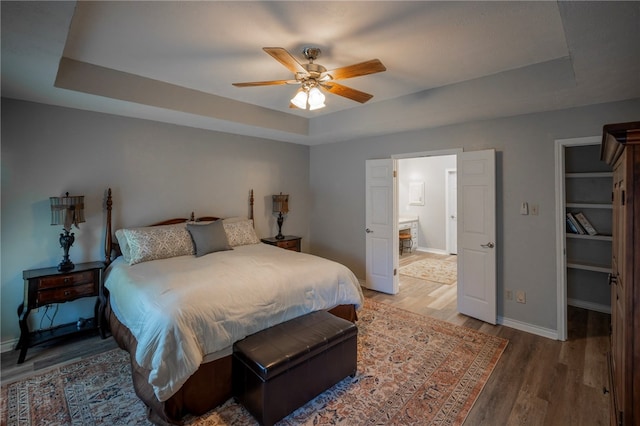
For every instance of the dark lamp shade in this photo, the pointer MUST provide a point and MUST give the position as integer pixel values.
(281, 203)
(67, 210)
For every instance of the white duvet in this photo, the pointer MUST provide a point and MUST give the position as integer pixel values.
(184, 308)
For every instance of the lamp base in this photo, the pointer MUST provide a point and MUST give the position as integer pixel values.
(66, 241)
(280, 220)
(66, 265)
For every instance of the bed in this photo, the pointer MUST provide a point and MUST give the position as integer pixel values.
(179, 293)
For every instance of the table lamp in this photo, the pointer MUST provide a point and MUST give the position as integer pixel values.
(67, 211)
(280, 206)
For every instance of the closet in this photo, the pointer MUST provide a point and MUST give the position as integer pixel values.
(587, 187)
(621, 150)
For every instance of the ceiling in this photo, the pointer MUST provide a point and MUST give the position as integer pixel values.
(447, 62)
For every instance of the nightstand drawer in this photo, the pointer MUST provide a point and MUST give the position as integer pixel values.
(65, 280)
(290, 245)
(289, 242)
(63, 294)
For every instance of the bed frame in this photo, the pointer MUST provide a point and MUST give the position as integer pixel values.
(210, 385)
(110, 246)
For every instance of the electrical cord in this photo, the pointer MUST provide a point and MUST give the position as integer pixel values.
(46, 315)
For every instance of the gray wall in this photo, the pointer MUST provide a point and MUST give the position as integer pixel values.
(525, 172)
(159, 170)
(156, 171)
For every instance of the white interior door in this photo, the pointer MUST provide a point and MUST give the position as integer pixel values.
(451, 189)
(381, 226)
(477, 284)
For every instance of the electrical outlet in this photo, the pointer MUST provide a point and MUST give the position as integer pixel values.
(534, 209)
(509, 295)
(521, 296)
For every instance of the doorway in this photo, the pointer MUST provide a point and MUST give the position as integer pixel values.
(426, 203)
(476, 203)
(427, 200)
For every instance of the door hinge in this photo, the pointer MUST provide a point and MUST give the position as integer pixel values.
(395, 272)
(622, 201)
(395, 173)
(620, 418)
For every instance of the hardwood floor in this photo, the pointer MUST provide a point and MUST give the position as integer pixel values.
(537, 381)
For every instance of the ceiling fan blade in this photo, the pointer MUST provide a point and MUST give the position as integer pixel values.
(264, 83)
(347, 92)
(363, 68)
(285, 58)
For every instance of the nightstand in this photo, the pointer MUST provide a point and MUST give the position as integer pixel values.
(48, 285)
(289, 242)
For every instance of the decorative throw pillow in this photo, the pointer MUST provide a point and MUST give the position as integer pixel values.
(240, 232)
(208, 238)
(158, 242)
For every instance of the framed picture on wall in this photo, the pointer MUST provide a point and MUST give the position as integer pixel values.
(416, 193)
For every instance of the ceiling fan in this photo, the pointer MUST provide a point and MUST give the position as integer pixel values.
(314, 76)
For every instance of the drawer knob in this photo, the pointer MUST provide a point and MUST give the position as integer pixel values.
(66, 280)
(67, 292)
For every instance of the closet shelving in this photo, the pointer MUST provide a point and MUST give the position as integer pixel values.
(587, 182)
(588, 177)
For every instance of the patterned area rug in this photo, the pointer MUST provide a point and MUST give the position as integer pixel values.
(412, 370)
(440, 271)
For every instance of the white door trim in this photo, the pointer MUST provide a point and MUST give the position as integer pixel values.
(438, 153)
(561, 259)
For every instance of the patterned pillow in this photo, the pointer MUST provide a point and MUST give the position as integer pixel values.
(240, 232)
(158, 242)
(124, 245)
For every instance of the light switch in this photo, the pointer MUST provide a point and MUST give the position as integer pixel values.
(524, 208)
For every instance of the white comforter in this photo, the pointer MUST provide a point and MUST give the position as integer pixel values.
(183, 308)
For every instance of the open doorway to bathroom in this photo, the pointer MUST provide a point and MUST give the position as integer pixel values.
(427, 215)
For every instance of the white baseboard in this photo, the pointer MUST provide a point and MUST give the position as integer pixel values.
(529, 328)
(598, 307)
(8, 345)
(431, 250)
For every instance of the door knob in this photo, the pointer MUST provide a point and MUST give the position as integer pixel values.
(452, 217)
(368, 231)
(488, 245)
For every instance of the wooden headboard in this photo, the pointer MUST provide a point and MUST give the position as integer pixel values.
(110, 245)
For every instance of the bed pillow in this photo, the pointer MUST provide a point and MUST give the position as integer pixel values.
(158, 242)
(124, 245)
(240, 232)
(208, 238)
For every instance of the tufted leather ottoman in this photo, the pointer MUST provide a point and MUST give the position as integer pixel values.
(279, 369)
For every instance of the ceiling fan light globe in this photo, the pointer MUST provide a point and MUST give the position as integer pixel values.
(316, 99)
(314, 107)
(300, 99)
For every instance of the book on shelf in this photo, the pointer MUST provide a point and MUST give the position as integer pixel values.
(588, 227)
(574, 225)
(570, 228)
